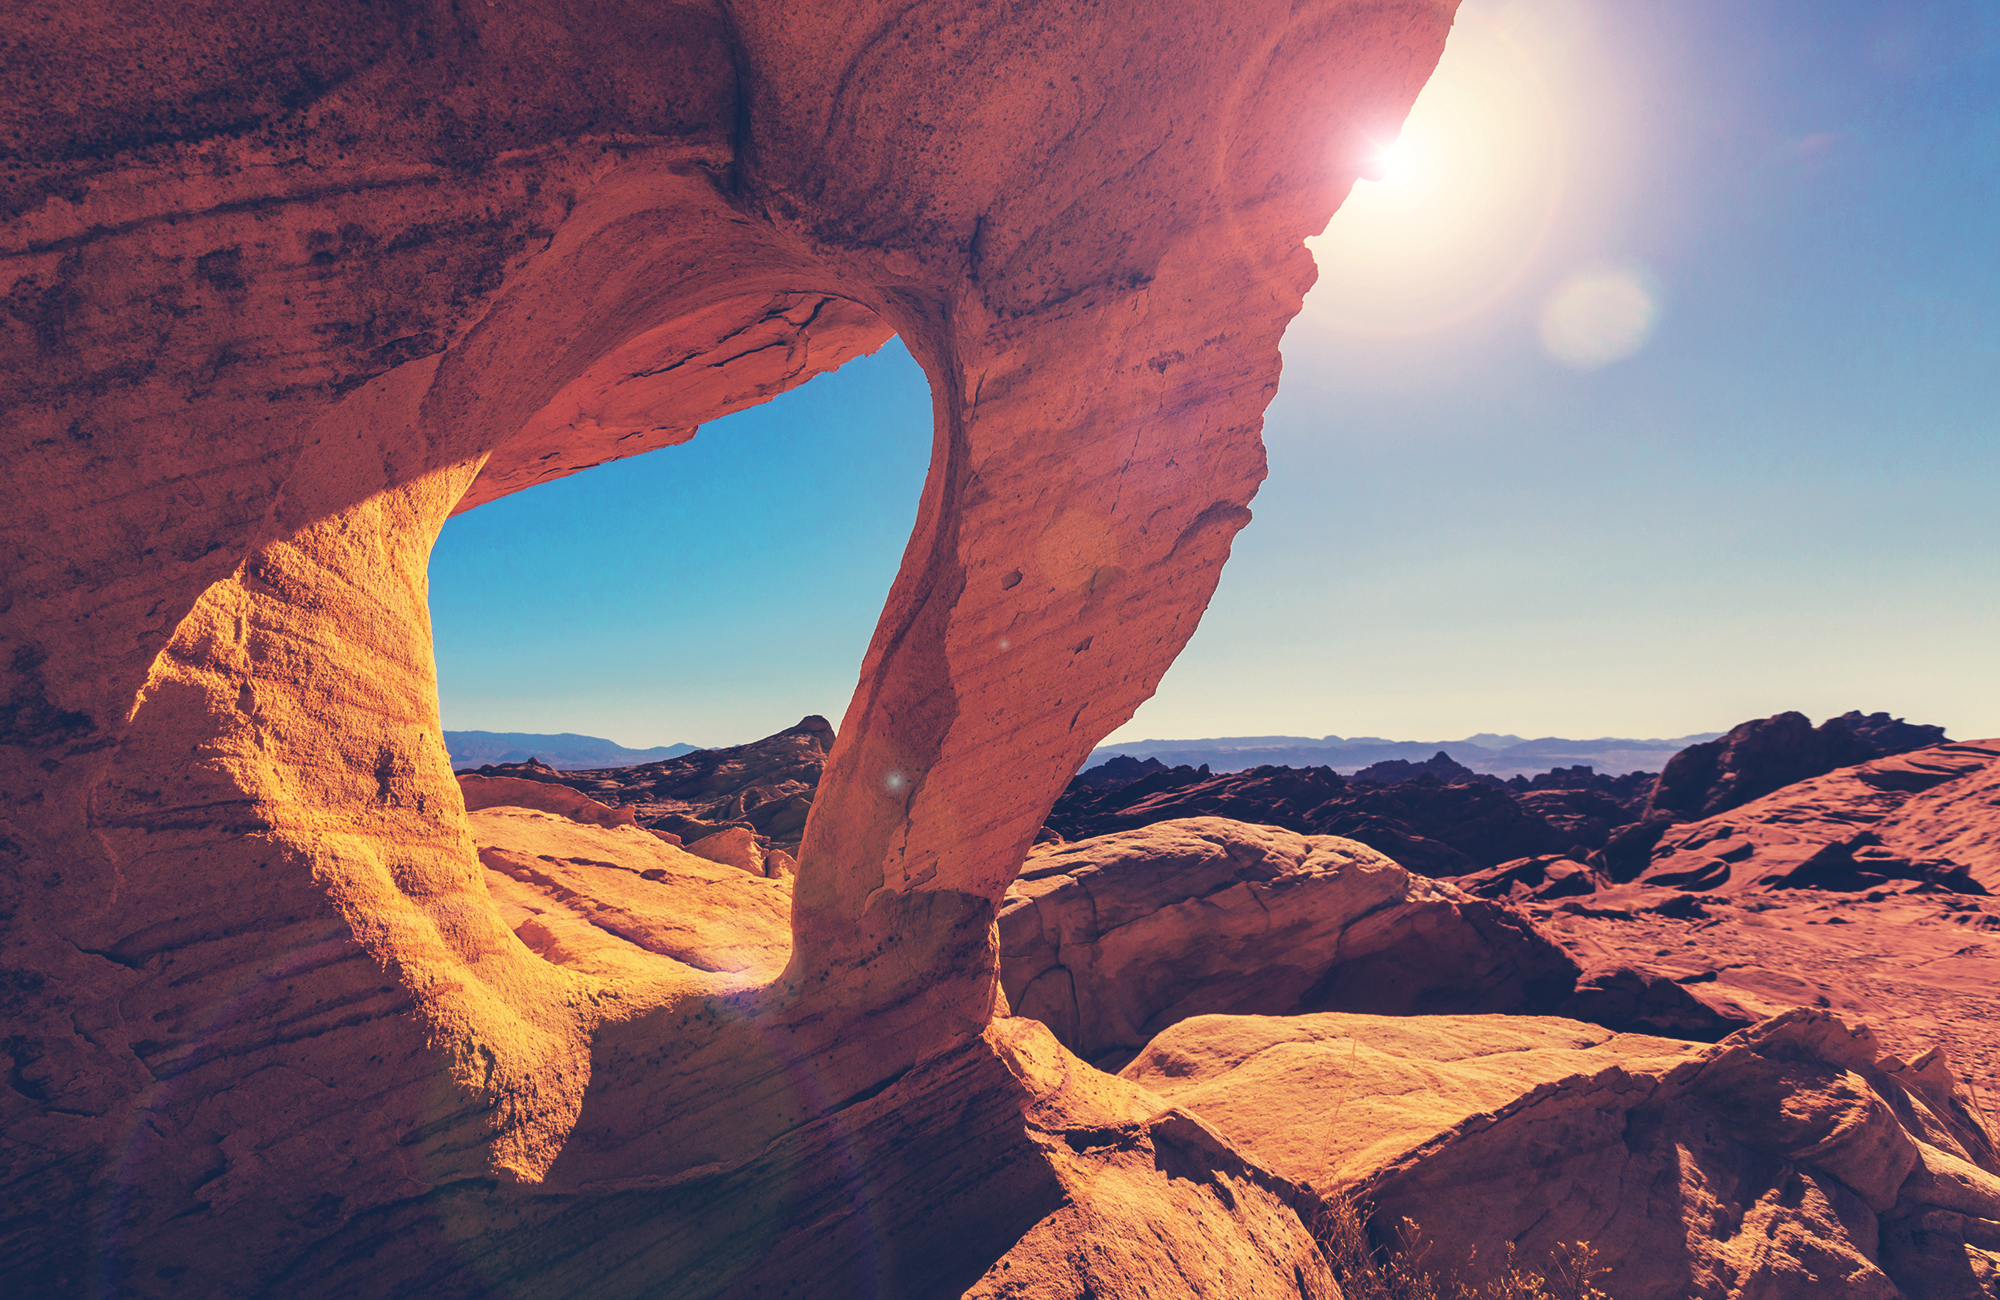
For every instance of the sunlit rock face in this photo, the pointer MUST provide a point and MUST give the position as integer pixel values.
(1111, 940)
(1793, 1160)
(289, 285)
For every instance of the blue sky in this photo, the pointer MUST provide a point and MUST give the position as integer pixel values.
(1780, 495)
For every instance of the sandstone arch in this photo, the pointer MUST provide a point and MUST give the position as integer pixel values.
(286, 290)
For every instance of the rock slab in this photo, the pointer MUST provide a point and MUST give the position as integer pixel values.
(1792, 1161)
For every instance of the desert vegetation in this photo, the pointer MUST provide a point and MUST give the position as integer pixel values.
(1411, 1267)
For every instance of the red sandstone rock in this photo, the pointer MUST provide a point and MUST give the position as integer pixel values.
(289, 286)
(1541, 878)
(1795, 1159)
(1112, 939)
(1931, 814)
(585, 897)
(1919, 964)
(734, 847)
(1754, 759)
(765, 786)
(513, 792)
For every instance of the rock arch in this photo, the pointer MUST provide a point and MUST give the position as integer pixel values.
(276, 311)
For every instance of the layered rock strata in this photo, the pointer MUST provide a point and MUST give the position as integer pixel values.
(287, 287)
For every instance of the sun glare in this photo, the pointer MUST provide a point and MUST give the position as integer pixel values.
(1459, 204)
(1395, 164)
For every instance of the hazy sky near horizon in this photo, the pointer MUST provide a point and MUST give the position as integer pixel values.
(1654, 386)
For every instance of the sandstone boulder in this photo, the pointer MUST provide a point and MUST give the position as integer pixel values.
(735, 847)
(516, 792)
(1541, 878)
(1112, 939)
(1794, 1159)
(1643, 999)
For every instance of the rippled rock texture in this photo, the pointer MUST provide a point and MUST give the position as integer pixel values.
(287, 286)
(1791, 1161)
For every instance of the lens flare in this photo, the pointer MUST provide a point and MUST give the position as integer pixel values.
(1600, 315)
(1456, 209)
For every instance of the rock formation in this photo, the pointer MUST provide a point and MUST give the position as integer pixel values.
(1391, 771)
(1117, 772)
(1111, 940)
(1793, 1161)
(1430, 827)
(1440, 818)
(609, 901)
(765, 787)
(1767, 754)
(1929, 815)
(518, 792)
(290, 285)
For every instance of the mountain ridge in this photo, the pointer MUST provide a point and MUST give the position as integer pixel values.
(565, 751)
(1611, 755)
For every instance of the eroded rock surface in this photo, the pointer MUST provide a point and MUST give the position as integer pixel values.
(288, 286)
(1429, 826)
(1929, 815)
(1766, 754)
(1442, 819)
(518, 792)
(1795, 1159)
(1110, 940)
(1920, 964)
(582, 896)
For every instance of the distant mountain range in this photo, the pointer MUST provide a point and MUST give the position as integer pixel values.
(567, 751)
(1495, 755)
(1486, 752)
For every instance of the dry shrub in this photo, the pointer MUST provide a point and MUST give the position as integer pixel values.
(1403, 1271)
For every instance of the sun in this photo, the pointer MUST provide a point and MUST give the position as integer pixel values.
(1454, 210)
(1395, 163)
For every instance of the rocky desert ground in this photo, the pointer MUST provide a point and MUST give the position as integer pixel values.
(1672, 1051)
